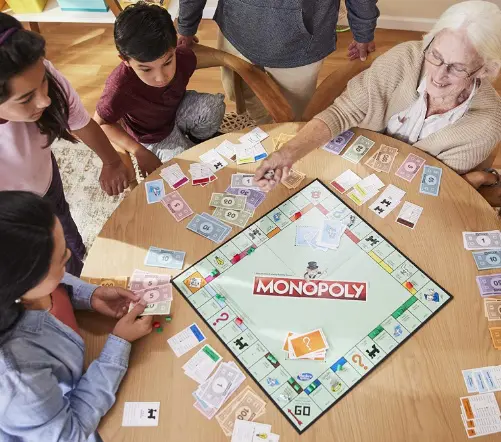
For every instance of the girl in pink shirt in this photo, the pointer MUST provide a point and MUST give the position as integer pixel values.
(37, 107)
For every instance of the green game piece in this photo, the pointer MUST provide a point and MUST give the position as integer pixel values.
(251, 249)
(220, 297)
(168, 318)
(214, 272)
(159, 330)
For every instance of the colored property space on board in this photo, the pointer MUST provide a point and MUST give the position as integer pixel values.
(364, 298)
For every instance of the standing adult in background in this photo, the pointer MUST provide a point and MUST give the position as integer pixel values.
(288, 38)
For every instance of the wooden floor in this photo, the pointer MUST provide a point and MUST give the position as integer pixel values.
(86, 55)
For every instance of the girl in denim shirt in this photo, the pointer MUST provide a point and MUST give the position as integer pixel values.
(44, 394)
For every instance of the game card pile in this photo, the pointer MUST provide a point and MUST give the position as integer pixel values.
(246, 407)
(201, 174)
(365, 189)
(214, 392)
(387, 201)
(174, 176)
(245, 431)
(155, 289)
(202, 364)
(312, 345)
(249, 150)
(328, 237)
(481, 415)
(483, 380)
(383, 159)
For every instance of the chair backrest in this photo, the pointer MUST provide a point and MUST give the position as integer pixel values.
(333, 86)
(261, 84)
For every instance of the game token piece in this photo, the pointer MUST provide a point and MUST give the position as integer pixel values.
(409, 285)
(251, 249)
(239, 321)
(156, 324)
(269, 175)
(168, 318)
(159, 330)
(220, 297)
(297, 215)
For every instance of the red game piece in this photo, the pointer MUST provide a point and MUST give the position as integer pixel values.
(236, 258)
(297, 215)
(409, 285)
(239, 321)
(156, 324)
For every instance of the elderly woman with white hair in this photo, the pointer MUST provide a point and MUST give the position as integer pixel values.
(434, 94)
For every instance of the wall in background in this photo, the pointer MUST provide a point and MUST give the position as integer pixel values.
(412, 15)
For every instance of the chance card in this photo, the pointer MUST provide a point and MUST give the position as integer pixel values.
(155, 191)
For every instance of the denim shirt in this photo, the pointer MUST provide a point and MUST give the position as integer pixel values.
(44, 394)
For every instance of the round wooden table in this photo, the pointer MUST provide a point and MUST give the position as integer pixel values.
(412, 396)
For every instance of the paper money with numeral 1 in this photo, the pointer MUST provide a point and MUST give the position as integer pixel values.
(246, 406)
(482, 240)
(228, 201)
(231, 216)
(358, 149)
(489, 284)
(487, 260)
(243, 180)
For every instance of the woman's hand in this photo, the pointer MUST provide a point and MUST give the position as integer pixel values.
(478, 178)
(112, 301)
(133, 327)
(280, 163)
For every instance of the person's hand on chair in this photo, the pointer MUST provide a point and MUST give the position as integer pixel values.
(148, 162)
(360, 50)
(187, 40)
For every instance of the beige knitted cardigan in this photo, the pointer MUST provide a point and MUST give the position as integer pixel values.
(389, 86)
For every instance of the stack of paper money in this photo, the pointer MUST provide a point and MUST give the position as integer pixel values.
(247, 406)
(210, 395)
(155, 289)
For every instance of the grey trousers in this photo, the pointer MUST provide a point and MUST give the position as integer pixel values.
(199, 115)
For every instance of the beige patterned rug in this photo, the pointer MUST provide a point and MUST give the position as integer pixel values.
(90, 206)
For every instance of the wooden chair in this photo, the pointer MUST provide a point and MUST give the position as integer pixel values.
(261, 84)
(333, 86)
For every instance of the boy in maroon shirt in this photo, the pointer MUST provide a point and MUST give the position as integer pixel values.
(145, 108)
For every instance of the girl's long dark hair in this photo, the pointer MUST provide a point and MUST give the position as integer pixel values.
(20, 51)
(26, 247)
